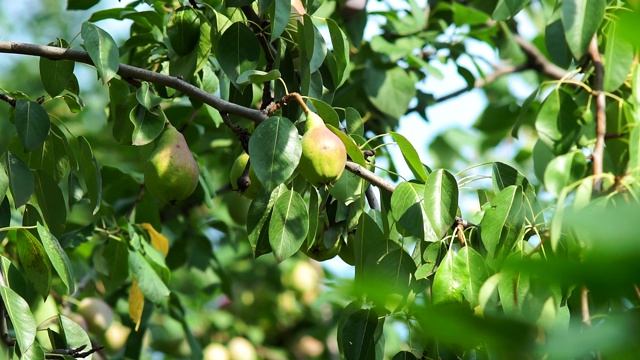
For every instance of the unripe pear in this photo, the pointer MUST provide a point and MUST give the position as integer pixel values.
(171, 173)
(236, 172)
(323, 153)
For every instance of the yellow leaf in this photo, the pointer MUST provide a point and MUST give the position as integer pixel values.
(136, 303)
(159, 241)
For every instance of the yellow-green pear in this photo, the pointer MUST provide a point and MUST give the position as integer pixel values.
(236, 172)
(323, 153)
(171, 173)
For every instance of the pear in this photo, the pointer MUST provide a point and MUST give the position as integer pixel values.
(171, 173)
(323, 153)
(236, 172)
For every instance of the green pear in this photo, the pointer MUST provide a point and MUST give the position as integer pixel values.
(323, 153)
(171, 173)
(236, 172)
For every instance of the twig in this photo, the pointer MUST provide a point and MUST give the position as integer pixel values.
(584, 300)
(601, 119)
(369, 176)
(8, 99)
(535, 61)
(481, 82)
(127, 71)
(74, 353)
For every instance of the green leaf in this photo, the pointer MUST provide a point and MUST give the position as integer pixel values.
(32, 124)
(352, 148)
(506, 9)
(394, 274)
(23, 321)
(348, 188)
(146, 97)
(411, 157)
(21, 181)
(5, 216)
(4, 183)
(503, 221)
(355, 125)
(441, 201)
(634, 150)
(618, 57)
(55, 74)
(390, 90)
(238, 51)
(449, 281)
(81, 4)
(512, 289)
(311, 43)
(280, 18)
(407, 208)
(51, 202)
(326, 112)
(467, 15)
(370, 244)
(475, 271)
(74, 334)
(34, 261)
(581, 19)
(258, 217)
(340, 52)
(90, 173)
(112, 261)
(564, 170)
(275, 151)
(57, 157)
(147, 124)
(358, 340)
(257, 76)
(556, 41)
(557, 123)
(102, 49)
(289, 225)
(58, 258)
(149, 281)
(183, 30)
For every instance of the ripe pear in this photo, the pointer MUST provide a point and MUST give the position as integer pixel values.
(171, 173)
(236, 172)
(323, 153)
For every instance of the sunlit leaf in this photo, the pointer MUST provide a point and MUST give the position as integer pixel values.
(58, 258)
(24, 324)
(102, 49)
(581, 19)
(289, 224)
(275, 151)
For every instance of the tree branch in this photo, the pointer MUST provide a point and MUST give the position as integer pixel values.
(369, 176)
(535, 61)
(601, 118)
(127, 71)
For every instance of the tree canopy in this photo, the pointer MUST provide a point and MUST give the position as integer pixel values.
(181, 198)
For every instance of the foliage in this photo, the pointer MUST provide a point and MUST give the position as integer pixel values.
(540, 263)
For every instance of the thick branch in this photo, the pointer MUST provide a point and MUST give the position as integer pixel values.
(537, 61)
(127, 71)
(601, 119)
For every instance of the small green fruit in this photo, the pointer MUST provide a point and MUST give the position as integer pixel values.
(323, 153)
(236, 172)
(171, 173)
(183, 30)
